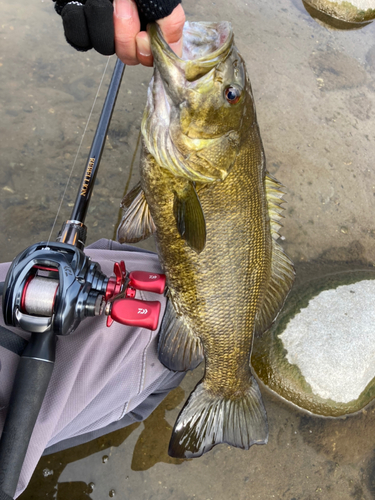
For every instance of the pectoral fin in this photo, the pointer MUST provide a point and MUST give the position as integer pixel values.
(189, 217)
(136, 223)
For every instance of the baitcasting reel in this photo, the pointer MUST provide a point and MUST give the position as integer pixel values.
(49, 289)
(54, 286)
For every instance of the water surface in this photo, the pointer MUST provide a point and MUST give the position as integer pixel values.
(315, 98)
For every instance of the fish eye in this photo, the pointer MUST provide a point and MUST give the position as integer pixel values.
(232, 94)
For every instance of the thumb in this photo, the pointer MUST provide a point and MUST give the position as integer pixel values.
(172, 27)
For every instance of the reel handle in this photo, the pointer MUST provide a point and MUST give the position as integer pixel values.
(134, 312)
(148, 282)
(30, 385)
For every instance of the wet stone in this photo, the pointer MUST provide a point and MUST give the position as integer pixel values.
(336, 70)
(351, 253)
(355, 11)
(47, 472)
(332, 345)
(320, 354)
(370, 58)
(360, 107)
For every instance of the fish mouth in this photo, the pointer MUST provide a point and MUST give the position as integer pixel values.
(204, 46)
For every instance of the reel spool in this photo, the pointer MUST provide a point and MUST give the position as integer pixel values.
(56, 287)
(38, 295)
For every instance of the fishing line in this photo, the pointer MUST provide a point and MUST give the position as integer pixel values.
(79, 148)
(132, 162)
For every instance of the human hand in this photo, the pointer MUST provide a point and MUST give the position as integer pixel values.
(108, 28)
(132, 45)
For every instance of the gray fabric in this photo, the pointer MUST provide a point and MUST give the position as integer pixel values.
(141, 412)
(102, 376)
(104, 244)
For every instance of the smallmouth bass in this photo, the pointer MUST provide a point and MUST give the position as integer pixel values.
(206, 195)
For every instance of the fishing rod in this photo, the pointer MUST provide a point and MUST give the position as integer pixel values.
(49, 289)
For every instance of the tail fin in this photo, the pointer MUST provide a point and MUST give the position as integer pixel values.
(207, 420)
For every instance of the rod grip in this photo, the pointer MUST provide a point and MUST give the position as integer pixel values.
(30, 385)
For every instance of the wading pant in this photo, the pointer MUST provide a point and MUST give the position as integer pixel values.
(104, 378)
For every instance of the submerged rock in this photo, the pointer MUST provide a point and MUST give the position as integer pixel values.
(320, 354)
(341, 14)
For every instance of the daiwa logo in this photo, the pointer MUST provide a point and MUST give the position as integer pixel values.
(153, 277)
(142, 311)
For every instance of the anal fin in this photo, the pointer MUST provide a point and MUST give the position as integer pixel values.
(136, 223)
(178, 348)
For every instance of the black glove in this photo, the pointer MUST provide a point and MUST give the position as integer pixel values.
(88, 24)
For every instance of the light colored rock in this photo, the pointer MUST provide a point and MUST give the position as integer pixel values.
(360, 4)
(352, 11)
(332, 341)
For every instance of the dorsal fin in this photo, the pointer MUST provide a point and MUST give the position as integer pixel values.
(282, 269)
(136, 223)
(274, 193)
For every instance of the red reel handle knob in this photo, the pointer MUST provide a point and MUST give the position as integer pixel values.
(133, 312)
(149, 282)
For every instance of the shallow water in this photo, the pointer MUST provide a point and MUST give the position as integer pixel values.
(315, 96)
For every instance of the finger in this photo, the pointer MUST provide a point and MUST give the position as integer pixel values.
(75, 27)
(127, 26)
(99, 16)
(172, 27)
(144, 49)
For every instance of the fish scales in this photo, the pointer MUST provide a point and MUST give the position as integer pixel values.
(210, 292)
(204, 186)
